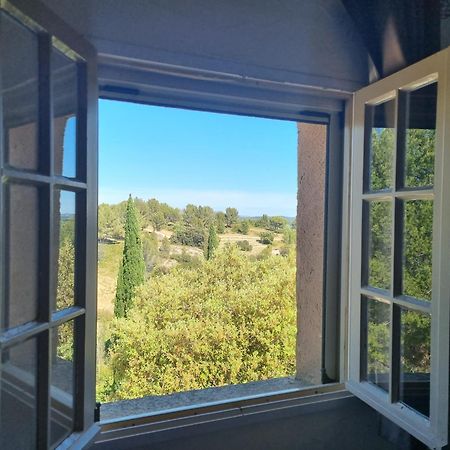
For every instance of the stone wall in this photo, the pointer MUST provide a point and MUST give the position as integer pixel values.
(312, 144)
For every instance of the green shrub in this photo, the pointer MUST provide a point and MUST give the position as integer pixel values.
(231, 321)
(266, 237)
(244, 246)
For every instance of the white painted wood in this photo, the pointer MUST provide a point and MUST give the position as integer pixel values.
(432, 432)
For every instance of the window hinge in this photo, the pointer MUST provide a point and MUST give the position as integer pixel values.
(97, 412)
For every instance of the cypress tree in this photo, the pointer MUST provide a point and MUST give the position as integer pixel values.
(132, 269)
(212, 243)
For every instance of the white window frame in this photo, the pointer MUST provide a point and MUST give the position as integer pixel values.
(432, 432)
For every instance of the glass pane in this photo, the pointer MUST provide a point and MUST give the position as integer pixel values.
(18, 397)
(64, 72)
(420, 136)
(418, 231)
(62, 382)
(22, 254)
(415, 360)
(378, 343)
(380, 123)
(65, 229)
(379, 244)
(19, 87)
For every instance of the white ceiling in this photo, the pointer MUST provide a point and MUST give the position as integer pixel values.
(309, 42)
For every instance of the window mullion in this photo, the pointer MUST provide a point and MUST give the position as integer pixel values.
(396, 258)
(45, 246)
(394, 381)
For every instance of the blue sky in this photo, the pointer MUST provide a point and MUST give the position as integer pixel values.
(181, 156)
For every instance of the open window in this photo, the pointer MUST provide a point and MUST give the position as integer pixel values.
(399, 235)
(399, 248)
(48, 204)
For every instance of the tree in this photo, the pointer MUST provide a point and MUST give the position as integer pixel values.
(231, 216)
(277, 223)
(150, 250)
(212, 243)
(155, 214)
(191, 235)
(289, 235)
(110, 221)
(132, 268)
(263, 222)
(220, 222)
(266, 237)
(244, 227)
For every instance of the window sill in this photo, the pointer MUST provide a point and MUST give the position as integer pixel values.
(217, 412)
(191, 399)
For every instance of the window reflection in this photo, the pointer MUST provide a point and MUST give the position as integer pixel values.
(415, 360)
(21, 267)
(65, 229)
(418, 235)
(380, 244)
(19, 87)
(420, 136)
(18, 402)
(62, 382)
(381, 144)
(65, 103)
(378, 343)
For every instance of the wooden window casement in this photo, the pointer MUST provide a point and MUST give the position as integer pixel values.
(400, 248)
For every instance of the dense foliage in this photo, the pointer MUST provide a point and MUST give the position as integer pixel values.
(230, 320)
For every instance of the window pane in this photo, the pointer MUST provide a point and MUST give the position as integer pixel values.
(379, 244)
(418, 230)
(380, 145)
(378, 343)
(62, 379)
(18, 397)
(415, 360)
(65, 229)
(420, 136)
(22, 254)
(64, 72)
(19, 87)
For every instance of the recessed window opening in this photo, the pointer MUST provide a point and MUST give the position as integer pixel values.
(197, 256)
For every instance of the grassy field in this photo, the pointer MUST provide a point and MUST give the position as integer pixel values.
(109, 257)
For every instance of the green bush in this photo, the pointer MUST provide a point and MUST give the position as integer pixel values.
(187, 260)
(244, 246)
(266, 237)
(231, 321)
